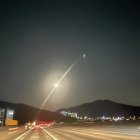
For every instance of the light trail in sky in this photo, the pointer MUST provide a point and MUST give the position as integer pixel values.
(59, 81)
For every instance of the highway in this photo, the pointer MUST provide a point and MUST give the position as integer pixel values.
(80, 133)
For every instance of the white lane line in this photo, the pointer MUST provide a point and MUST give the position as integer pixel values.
(35, 137)
(107, 134)
(117, 132)
(49, 134)
(87, 134)
(123, 132)
(14, 128)
(22, 135)
(12, 132)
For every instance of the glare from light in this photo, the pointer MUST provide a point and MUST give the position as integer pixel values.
(84, 55)
(56, 85)
(59, 81)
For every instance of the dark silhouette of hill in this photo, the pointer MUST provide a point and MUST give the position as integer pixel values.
(104, 108)
(24, 113)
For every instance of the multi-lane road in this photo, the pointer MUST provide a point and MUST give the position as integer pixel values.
(80, 133)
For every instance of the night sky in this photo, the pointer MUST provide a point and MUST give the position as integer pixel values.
(39, 40)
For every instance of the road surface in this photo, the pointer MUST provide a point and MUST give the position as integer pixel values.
(80, 133)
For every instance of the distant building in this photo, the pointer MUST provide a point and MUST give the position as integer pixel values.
(2, 118)
(70, 114)
(74, 115)
(5, 113)
(9, 113)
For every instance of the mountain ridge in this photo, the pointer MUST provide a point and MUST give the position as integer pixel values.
(25, 113)
(100, 108)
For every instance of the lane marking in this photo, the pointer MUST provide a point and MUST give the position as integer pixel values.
(86, 134)
(22, 135)
(107, 134)
(98, 132)
(34, 137)
(14, 128)
(12, 132)
(61, 133)
(124, 132)
(49, 133)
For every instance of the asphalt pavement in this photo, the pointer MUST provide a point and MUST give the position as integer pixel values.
(80, 133)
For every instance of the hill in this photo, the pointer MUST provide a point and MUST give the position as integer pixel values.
(104, 108)
(24, 113)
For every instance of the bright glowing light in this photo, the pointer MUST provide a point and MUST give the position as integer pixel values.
(84, 55)
(34, 123)
(11, 113)
(59, 81)
(56, 85)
